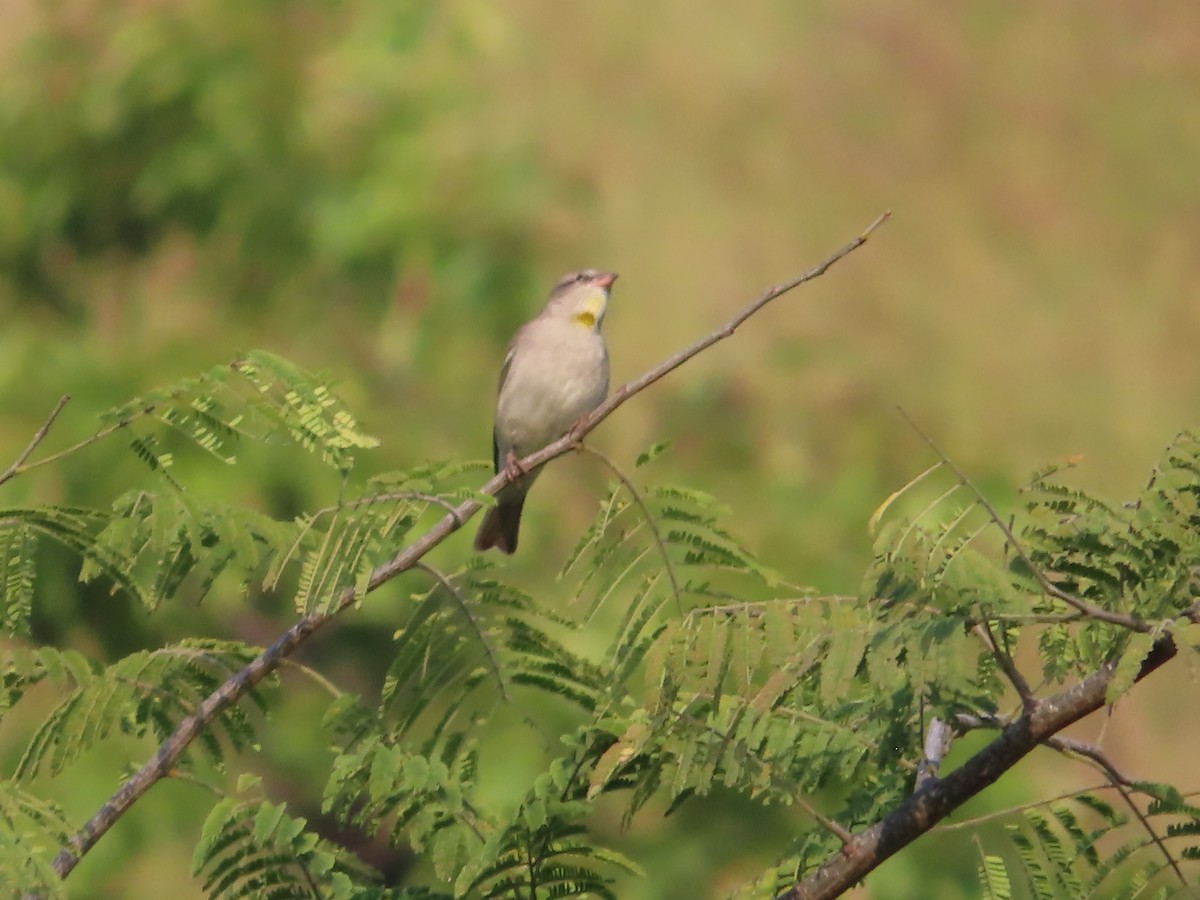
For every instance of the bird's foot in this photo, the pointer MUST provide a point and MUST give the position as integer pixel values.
(575, 433)
(513, 469)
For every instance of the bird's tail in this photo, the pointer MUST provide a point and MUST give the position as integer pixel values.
(501, 524)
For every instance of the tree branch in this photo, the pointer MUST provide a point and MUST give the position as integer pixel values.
(984, 632)
(240, 684)
(932, 803)
(40, 435)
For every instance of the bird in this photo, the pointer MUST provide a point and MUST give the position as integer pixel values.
(555, 372)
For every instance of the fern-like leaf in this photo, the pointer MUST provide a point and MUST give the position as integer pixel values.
(146, 693)
(255, 849)
(17, 545)
(30, 830)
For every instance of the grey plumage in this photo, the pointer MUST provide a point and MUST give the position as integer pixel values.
(555, 372)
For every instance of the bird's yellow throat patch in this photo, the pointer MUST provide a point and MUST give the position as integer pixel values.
(591, 309)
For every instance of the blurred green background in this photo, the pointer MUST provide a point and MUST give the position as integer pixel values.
(384, 191)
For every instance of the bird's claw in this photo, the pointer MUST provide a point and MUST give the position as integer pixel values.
(575, 434)
(513, 469)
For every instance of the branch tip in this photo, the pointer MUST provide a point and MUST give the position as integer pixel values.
(883, 217)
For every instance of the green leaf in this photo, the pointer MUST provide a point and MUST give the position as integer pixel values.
(651, 453)
(1129, 665)
(993, 878)
(17, 546)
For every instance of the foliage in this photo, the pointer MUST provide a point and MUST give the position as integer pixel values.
(681, 666)
(254, 848)
(178, 122)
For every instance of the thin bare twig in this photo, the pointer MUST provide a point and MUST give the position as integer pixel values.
(1089, 609)
(975, 821)
(1099, 759)
(1037, 618)
(646, 514)
(464, 608)
(266, 662)
(1069, 746)
(88, 441)
(18, 465)
(313, 675)
(984, 632)
(388, 497)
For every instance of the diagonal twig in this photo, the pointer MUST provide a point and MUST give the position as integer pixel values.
(983, 631)
(1097, 757)
(266, 662)
(18, 465)
(464, 609)
(646, 514)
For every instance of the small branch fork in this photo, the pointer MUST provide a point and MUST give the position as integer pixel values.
(18, 465)
(286, 644)
(937, 744)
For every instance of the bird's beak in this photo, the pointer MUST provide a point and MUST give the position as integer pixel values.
(605, 280)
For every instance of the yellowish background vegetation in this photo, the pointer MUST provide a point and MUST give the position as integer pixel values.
(384, 195)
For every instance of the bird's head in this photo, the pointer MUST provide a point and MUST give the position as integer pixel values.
(582, 297)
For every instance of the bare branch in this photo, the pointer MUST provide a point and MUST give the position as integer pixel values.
(241, 683)
(975, 821)
(18, 465)
(1074, 747)
(964, 722)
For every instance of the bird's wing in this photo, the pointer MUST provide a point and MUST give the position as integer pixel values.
(504, 370)
(508, 358)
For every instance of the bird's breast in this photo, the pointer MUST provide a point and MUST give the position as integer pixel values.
(558, 373)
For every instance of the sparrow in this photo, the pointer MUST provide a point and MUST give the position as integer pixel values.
(555, 373)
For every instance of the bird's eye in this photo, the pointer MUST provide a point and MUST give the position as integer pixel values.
(581, 277)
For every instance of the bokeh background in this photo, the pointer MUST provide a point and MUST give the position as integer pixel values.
(384, 191)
